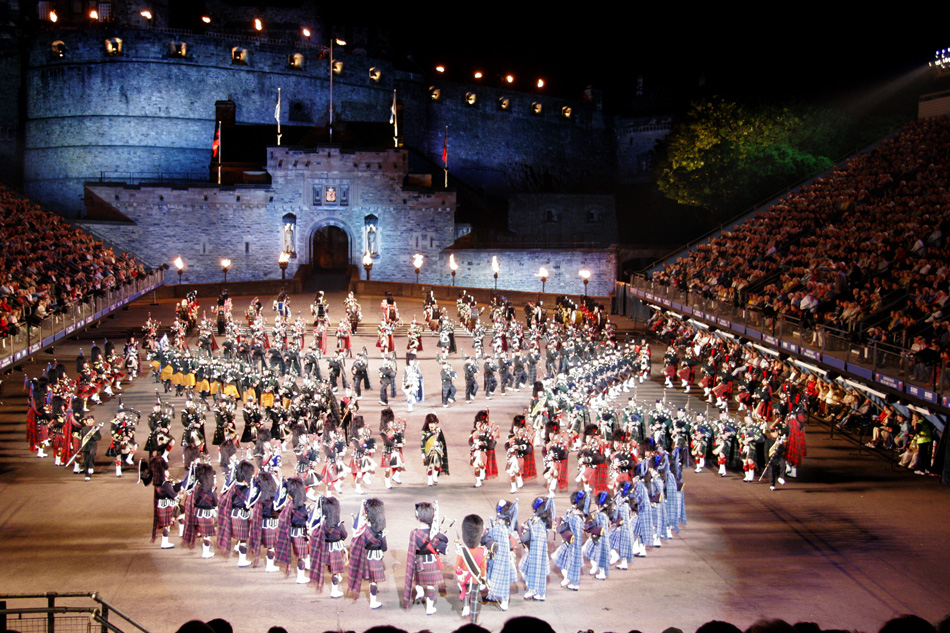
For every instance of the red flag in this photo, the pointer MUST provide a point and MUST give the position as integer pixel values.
(445, 147)
(217, 140)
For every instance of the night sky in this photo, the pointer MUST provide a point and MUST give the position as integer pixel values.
(807, 53)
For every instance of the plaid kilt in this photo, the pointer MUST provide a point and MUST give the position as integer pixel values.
(333, 558)
(375, 570)
(535, 563)
(298, 540)
(598, 481)
(269, 533)
(491, 464)
(686, 374)
(561, 475)
(530, 468)
(597, 550)
(707, 382)
(240, 528)
(427, 573)
(165, 514)
(204, 525)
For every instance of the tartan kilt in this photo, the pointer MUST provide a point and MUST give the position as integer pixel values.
(166, 516)
(299, 543)
(707, 382)
(427, 573)
(670, 371)
(685, 374)
(599, 481)
(269, 534)
(530, 469)
(205, 526)
(561, 475)
(491, 464)
(215, 387)
(42, 432)
(375, 569)
(334, 561)
(240, 529)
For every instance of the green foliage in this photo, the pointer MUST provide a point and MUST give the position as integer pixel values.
(724, 156)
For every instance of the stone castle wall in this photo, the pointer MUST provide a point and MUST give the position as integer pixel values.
(90, 114)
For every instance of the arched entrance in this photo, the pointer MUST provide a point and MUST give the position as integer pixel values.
(330, 248)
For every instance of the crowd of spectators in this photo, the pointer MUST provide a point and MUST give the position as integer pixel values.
(863, 249)
(46, 265)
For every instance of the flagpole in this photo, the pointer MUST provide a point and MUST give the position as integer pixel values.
(445, 156)
(277, 116)
(395, 122)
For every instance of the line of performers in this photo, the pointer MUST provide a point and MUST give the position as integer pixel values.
(258, 515)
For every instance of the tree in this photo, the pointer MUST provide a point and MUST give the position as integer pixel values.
(724, 156)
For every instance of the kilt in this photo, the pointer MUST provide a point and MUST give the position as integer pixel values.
(427, 570)
(599, 481)
(686, 374)
(375, 569)
(231, 390)
(561, 475)
(189, 380)
(269, 533)
(491, 464)
(203, 385)
(334, 558)
(707, 382)
(298, 540)
(240, 526)
(267, 399)
(530, 469)
(166, 373)
(670, 372)
(177, 378)
(42, 432)
(165, 512)
(216, 387)
(204, 521)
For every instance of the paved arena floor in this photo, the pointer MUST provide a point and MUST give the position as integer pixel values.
(848, 544)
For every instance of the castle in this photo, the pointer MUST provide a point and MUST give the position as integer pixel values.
(120, 115)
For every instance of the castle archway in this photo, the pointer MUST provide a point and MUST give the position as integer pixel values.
(329, 248)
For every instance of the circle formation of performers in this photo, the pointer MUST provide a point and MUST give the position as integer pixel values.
(628, 484)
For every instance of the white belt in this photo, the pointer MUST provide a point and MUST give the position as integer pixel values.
(204, 513)
(270, 524)
(336, 546)
(240, 513)
(374, 554)
(167, 503)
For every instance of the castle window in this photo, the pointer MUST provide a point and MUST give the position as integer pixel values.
(113, 46)
(374, 75)
(593, 215)
(295, 61)
(239, 56)
(435, 93)
(470, 98)
(536, 108)
(105, 11)
(46, 11)
(566, 112)
(178, 49)
(337, 67)
(58, 49)
(504, 103)
(550, 215)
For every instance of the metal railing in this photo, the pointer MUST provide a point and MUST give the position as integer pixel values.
(47, 613)
(30, 339)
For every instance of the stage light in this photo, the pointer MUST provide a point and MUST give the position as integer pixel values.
(440, 68)
(540, 83)
(258, 25)
(206, 19)
(478, 74)
(146, 14)
(306, 32)
(510, 79)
